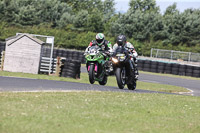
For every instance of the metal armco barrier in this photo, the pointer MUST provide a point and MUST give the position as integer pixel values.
(175, 55)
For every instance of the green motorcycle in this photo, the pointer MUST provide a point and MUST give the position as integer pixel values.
(95, 64)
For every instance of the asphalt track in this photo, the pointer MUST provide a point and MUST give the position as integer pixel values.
(192, 85)
(24, 84)
(14, 84)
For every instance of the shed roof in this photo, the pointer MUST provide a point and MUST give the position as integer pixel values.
(17, 37)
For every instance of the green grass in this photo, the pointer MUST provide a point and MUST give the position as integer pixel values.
(102, 112)
(111, 82)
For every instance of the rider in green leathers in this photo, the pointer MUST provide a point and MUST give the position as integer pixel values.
(103, 44)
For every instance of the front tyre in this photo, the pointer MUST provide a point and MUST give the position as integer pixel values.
(132, 86)
(104, 81)
(120, 76)
(91, 74)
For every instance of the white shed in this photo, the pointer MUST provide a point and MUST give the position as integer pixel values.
(22, 54)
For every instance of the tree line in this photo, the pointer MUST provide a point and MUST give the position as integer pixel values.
(74, 23)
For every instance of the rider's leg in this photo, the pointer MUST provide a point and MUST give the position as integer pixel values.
(136, 69)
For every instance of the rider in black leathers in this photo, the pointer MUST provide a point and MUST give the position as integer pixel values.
(121, 41)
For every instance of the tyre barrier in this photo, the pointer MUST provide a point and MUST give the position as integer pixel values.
(68, 54)
(161, 67)
(196, 71)
(2, 46)
(168, 68)
(154, 66)
(144, 65)
(71, 68)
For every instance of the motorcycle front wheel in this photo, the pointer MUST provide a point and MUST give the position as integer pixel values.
(121, 77)
(132, 86)
(104, 81)
(91, 74)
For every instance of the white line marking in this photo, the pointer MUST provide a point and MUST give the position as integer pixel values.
(150, 81)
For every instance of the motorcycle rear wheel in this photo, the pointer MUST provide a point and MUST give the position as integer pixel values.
(91, 74)
(119, 76)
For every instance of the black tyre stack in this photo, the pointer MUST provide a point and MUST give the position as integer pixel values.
(189, 70)
(46, 52)
(147, 65)
(196, 71)
(75, 58)
(2, 46)
(83, 58)
(182, 70)
(68, 54)
(175, 69)
(140, 64)
(154, 66)
(161, 67)
(71, 68)
(59, 53)
(168, 68)
(55, 53)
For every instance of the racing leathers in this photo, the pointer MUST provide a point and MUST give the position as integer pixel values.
(106, 47)
(128, 46)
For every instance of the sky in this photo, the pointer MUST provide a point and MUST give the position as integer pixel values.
(122, 5)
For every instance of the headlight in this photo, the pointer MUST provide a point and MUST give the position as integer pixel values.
(114, 60)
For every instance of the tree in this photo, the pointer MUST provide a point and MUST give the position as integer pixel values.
(88, 5)
(143, 5)
(81, 19)
(95, 21)
(27, 15)
(65, 19)
(10, 8)
(108, 9)
(170, 10)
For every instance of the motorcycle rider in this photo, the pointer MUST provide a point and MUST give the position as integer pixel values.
(121, 41)
(104, 45)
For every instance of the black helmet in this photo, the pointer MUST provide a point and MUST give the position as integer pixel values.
(121, 40)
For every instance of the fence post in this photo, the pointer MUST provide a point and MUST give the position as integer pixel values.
(59, 63)
(2, 59)
(58, 66)
(151, 52)
(157, 53)
(172, 54)
(189, 56)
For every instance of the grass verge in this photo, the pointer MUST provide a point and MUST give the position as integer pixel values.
(102, 112)
(111, 81)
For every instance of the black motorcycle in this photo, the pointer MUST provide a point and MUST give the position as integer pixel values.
(124, 68)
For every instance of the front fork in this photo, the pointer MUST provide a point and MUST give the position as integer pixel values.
(95, 66)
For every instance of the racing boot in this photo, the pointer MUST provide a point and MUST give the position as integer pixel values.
(136, 70)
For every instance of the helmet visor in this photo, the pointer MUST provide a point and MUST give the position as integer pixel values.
(99, 41)
(120, 42)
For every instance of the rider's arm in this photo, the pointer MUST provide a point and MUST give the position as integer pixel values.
(90, 44)
(115, 47)
(132, 49)
(110, 47)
